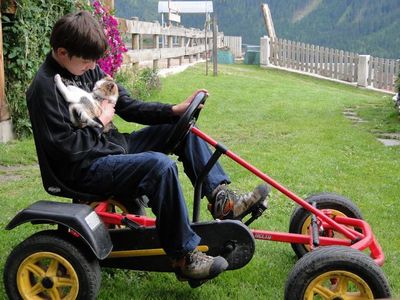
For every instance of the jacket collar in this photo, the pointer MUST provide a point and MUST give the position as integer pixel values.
(58, 69)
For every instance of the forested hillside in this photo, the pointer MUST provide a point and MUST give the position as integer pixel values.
(364, 26)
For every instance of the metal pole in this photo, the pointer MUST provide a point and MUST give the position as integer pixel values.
(162, 27)
(169, 13)
(215, 47)
(206, 42)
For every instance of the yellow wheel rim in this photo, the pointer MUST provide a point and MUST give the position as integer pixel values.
(46, 275)
(338, 285)
(307, 223)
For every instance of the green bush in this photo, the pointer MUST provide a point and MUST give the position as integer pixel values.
(25, 44)
(140, 83)
(398, 83)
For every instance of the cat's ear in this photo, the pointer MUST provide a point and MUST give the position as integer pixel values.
(110, 86)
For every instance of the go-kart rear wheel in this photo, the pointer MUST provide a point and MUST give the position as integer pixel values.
(50, 265)
(121, 206)
(336, 272)
(133, 207)
(300, 220)
(112, 206)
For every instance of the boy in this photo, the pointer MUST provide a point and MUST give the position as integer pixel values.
(126, 165)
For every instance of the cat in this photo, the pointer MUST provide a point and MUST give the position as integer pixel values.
(85, 106)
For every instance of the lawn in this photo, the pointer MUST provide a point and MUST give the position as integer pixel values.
(290, 126)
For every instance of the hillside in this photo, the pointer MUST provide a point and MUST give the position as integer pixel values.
(363, 26)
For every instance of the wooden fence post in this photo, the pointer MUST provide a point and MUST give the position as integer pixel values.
(109, 3)
(135, 41)
(182, 45)
(156, 45)
(6, 131)
(4, 115)
(170, 40)
(190, 45)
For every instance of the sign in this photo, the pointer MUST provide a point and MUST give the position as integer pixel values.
(174, 17)
(186, 7)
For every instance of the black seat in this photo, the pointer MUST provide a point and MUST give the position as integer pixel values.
(54, 186)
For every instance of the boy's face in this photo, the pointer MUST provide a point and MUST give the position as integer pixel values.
(78, 65)
(75, 65)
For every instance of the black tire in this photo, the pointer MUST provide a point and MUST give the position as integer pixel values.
(29, 268)
(336, 270)
(301, 217)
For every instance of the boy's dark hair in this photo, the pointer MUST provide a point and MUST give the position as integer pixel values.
(80, 34)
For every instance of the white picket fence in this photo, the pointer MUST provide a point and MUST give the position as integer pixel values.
(383, 73)
(336, 64)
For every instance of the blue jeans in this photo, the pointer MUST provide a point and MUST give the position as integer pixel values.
(146, 170)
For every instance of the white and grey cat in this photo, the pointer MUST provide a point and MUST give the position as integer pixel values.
(85, 106)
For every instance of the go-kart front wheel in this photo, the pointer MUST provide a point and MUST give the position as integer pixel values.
(336, 272)
(50, 265)
(300, 220)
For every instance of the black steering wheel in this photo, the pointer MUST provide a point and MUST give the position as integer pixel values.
(185, 122)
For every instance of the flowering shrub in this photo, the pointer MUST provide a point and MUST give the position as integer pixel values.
(112, 59)
(140, 83)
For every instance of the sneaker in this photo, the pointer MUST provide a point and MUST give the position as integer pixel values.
(197, 265)
(226, 204)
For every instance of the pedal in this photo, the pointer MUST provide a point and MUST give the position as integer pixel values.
(256, 211)
(131, 224)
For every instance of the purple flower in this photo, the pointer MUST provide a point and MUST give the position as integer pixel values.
(112, 59)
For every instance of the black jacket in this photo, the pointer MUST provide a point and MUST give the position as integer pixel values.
(71, 150)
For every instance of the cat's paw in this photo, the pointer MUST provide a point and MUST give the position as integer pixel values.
(57, 78)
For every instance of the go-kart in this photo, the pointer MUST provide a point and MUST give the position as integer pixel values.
(339, 257)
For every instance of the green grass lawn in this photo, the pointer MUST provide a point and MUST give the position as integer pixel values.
(291, 127)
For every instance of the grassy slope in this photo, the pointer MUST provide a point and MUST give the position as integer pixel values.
(291, 127)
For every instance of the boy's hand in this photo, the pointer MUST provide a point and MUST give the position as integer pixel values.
(107, 113)
(180, 108)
